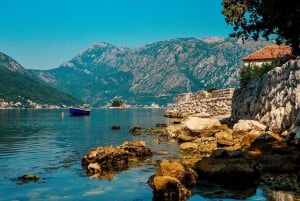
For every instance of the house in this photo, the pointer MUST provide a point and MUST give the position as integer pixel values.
(267, 54)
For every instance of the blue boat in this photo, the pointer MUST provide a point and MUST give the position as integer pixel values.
(79, 111)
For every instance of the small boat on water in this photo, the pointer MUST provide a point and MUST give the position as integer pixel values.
(79, 111)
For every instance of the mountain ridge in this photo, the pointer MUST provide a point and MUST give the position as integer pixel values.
(154, 72)
(19, 85)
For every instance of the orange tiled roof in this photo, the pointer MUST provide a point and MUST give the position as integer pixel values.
(269, 52)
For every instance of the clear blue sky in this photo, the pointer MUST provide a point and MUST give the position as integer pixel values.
(42, 34)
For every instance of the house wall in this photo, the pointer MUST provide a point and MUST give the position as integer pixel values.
(257, 62)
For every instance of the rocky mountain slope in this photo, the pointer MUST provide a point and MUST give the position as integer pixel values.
(19, 85)
(152, 73)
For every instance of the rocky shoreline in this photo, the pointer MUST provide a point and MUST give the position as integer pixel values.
(247, 155)
(257, 144)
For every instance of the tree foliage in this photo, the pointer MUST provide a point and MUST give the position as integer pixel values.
(265, 18)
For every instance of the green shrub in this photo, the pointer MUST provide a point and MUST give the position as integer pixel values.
(251, 72)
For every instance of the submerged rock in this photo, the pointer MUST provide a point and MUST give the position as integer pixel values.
(115, 127)
(27, 178)
(227, 170)
(136, 129)
(280, 182)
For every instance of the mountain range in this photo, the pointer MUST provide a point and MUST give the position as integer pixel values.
(153, 73)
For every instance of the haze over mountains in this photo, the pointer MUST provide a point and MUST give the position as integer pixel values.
(157, 72)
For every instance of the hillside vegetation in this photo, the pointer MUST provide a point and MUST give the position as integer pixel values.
(16, 84)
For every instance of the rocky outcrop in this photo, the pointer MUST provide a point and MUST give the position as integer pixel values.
(201, 126)
(262, 144)
(273, 99)
(268, 162)
(202, 136)
(103, 162)
(204, 104)
(172, 181)
(244, 126)
(243, 155)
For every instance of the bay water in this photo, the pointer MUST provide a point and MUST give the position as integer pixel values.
(51, 144)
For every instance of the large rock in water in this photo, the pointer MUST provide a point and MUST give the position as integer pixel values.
(171, 181)
(105, 158)
(102, 160)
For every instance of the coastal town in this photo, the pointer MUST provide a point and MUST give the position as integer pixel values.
(33, 105)
(27, 104)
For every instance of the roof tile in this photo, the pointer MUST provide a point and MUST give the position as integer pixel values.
(269, 52)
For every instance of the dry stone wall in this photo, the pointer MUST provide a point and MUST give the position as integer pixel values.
(274, 99)
(216, 103)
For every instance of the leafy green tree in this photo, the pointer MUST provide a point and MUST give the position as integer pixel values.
(265, 18)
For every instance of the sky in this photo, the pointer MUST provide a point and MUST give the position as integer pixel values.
(43, 34)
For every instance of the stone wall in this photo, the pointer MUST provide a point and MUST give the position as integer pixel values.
(216, 103)
(274, 99)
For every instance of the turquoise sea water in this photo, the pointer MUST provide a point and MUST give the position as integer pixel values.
(43, 143)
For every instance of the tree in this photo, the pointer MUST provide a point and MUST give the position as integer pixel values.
(265, 18)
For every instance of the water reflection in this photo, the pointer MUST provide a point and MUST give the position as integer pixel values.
(257, 196)
(208, 189)
(41, 142)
